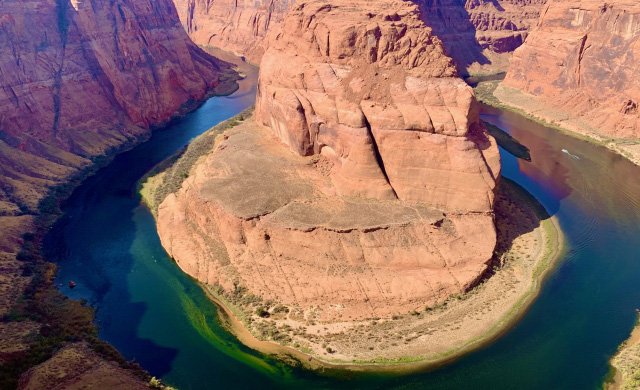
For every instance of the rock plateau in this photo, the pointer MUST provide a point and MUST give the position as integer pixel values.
(366, 187)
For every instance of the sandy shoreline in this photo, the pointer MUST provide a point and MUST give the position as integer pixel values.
(626, 363)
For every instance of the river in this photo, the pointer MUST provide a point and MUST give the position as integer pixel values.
(154, 314)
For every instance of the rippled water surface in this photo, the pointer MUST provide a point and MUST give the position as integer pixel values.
(156, 315)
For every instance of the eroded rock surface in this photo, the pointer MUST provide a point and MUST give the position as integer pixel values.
(367, 86)
(366, 187)
(236, 26)
(581, 63)
(78, 367)
(255, 216)
(82, 78)
(478, 34)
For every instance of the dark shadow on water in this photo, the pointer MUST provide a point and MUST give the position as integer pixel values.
(546, 172)
(80, 243)
(508, 142)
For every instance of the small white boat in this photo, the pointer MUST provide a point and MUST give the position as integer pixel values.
(573, 156)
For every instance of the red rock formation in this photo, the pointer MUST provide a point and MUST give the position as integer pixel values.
(236, 26)
(80, 78)
(378, 198)
(581, 61)
(481, 34)
(473, 31)
(370, 88)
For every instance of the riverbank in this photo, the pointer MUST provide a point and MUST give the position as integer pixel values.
(37, 319)
(452, 329)
(626, 363)
(493, 93)
(530, 242)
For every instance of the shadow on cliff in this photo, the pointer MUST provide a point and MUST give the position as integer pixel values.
(517, 213)
(451, 22)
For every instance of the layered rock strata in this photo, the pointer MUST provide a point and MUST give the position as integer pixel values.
(579, 68)
(80, 79)
(236, 26)
(480, 35)
(476, 33)
(366, 187)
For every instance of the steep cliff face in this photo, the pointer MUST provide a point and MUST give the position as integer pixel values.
(81, 78)
(370, 89)
(581, 62)
(476, 33)
(481, 34)
(366, 187)
(77, 80)
(236, 26)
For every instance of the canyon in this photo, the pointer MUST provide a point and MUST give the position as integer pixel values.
(577, 70)
(361, 197)
(80, 81)
(385, 163)
(478, 34)
(362, 188)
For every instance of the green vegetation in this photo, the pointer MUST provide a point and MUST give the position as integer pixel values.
(167, 177)
(64, 320)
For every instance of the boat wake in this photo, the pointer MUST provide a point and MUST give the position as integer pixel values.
(573, 156)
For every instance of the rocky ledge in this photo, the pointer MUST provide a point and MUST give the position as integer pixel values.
(333, 279)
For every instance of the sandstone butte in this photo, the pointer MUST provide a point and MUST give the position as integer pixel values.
(578, 69)
(364, 187)
(80, 79)
(478, 34)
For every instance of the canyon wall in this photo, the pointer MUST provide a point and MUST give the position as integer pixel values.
(476, 33)
(366, 186)
(480, 35)
(232, 25)
(579, 68)
(79, 79)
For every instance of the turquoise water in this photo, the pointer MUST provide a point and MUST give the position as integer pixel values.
(154, 314)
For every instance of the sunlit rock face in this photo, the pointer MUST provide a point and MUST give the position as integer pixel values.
(364, 185)
(582, 60)
(80, 78)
